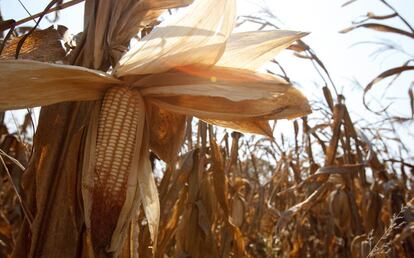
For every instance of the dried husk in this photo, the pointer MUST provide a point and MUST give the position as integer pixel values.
(224, 94)
(25, 83)
(238, 99)
(139, 14)
(149, 192)
(250, 50)
(219, 94)
(118, 22)
(192, 37)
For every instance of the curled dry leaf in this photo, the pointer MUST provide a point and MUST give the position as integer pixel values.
(390, 72)
(310, 201)
(379, 27)
(371, 15)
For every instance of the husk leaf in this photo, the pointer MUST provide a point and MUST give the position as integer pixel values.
(224, 94)
(191, 38)
(251, 50)
(25, 83)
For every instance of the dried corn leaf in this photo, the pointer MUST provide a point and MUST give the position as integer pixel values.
(221, 190)
(191, 38)
(194, 233)
(371, 15)
(396, 71)
(251, 50)
(348, 3)
(25, 83)
(340, 209)
(305, 205)
(170, 226)
(88, 168)
(238, 210)
(219, 177)
(261, 127)
(411, 95)
(224, 94)
(390, 72)
(379, 27)
(166, 132)
(149, 192)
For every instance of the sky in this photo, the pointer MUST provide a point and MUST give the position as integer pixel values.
(346, 62)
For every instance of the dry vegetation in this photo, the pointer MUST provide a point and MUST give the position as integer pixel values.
(327, 188)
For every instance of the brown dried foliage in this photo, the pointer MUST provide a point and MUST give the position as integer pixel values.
(323, 189)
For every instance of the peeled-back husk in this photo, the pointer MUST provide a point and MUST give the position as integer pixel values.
(192, 37)
(25, 83)
(219, 93)
(251, 50)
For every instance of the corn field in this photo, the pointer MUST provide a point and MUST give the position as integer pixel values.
(171, 146)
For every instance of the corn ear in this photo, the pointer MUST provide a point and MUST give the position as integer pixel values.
(121, 113)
